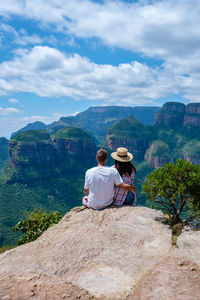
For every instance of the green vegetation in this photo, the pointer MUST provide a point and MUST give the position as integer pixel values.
(72, 133)
(143, 169)
(159, 148)
(174, 240)
(57, 193)
(130, 128)
(53, 179)
(4, 155)
(174, 187)
(31, 136)
(192, 148)
(35, 223)
(102, 118)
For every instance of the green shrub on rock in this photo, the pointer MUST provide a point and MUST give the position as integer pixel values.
(175, 187)
(35, 224)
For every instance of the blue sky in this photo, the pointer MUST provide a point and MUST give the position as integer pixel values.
(59, 57)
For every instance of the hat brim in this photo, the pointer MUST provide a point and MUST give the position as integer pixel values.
(127, 158)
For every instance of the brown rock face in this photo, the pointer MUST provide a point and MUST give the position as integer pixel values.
(158, 154)
(79, 149)
(174, 114)
(192, 115)
(171, 114)
(157, 162)
(35, 156)
(29, 154)
(136, 146)
(194, 158)
(116, 253)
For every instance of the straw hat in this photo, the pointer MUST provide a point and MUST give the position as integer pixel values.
(122, 154)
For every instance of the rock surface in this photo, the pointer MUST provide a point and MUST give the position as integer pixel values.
(158, 154)
(175, 114)
(117, 253)
(132, 134)
(35, 155)
(171, 114)
(192, 115)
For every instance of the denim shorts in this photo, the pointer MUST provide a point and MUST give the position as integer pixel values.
(130, 198)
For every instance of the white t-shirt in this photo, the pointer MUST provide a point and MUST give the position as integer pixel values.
(100, 181)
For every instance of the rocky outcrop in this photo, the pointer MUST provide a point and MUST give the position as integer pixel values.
(194, 158)
(158, 154)
(36, 155)
(132, 134)
(136, 146)
(191, 151)
(80, 150)
(192, 115)
(72, 142)
(24, 154)
(116, 253)
(175, 114)
(171, 114)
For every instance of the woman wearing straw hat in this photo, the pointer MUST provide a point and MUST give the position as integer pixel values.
(127, 171)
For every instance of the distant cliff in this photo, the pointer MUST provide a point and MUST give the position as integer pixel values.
(36, 155)
(132, 134)
(158, 154)
(165, 141)
(72, 142)
(175, 114)
(192, 115)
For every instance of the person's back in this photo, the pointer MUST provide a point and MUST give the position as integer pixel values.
(101, 180)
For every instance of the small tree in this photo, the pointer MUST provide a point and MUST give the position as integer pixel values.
(175, 187)
(35, 224)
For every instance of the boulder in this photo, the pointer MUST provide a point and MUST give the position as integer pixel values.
(116, 253)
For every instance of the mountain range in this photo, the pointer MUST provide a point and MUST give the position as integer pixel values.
(101, 118)
(48, 162)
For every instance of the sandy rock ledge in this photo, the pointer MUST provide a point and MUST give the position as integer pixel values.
(116, 253)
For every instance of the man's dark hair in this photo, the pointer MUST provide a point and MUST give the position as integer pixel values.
(102, 155)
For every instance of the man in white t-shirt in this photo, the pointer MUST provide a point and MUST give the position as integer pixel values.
(100, 182)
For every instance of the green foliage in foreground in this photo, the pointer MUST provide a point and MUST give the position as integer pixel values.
(35, 224)
(175, 187)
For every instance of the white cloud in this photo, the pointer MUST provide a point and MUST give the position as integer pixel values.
(8, 111)
(169, 30)
(13, 100)
(21, 38)
(47, 72)
(9, 125)
(10, 7)
(153, 28)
